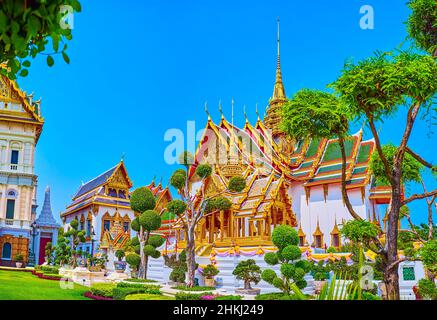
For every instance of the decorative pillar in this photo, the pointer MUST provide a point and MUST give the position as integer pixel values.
(213, 227)
(222, 222)
(231, 224)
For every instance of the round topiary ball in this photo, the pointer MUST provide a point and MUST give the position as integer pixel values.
(156, 254)
(301, 284)
(299, 273)
(149, 250)
(133, 260)
(284, 235)
(135, 225)
(177, 179)
(142, 199)
(268, 275)
(137, 249)
(74, 223)
(288, 270)
(304, 264)
(236, 184)
(271, 258)
(176, 207)
(291, 253)
(150, 220)
(135, 241)
(278, 283)
(156, 241)
(203, 170)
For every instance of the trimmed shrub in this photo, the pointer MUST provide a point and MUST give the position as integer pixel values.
(146, 296)
(102, 289)
(228, 297)
(119, 293)
(190, 296)
(196, 288)
(50, 269)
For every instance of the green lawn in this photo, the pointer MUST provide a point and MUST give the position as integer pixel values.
(16, 285)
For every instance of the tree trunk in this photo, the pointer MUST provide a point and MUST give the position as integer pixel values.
(142, 267)
(247, 285)
(391, 277)
(191, 257)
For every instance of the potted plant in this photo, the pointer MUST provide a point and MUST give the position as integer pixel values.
(120, 266)
(209, 272)
(248, 271)
(19, 258)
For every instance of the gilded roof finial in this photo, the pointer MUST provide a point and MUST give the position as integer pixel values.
(245, 114)
(122, 157)
(206, 110)
(256, 110)
(221, 109)
(278, 91)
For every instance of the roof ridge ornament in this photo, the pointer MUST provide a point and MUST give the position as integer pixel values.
(206, 110)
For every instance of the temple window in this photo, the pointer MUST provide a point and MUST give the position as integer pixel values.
(318, 241)
(14, 156)
(301, 241)
(88, 228)
(6, 251)
(126, 226)
(106, 225)
(10, 208)
(408, 274)
(335, 240)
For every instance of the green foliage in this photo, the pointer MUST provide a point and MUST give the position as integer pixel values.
(178, 178)
(428, 255)
(210, 271)
(276, 296)
(331, 250)
(422, 24)
(203, 170)
(284, 235)
(50, 269)
(411, 168)
(236, 184)
(74, 223)
(190, 296)
(133, 260)
(177, 275)
(218, 203)
(359, 230)
(18, 257)
(149, 250)
(135, 225)
(319, 271)
(196, 288)
(156, 241)
(135, 241)
(119, 293)
(142, 200)
(119, 254)
(427, 289)
(176, 207)
(26, 28)
(150, 220)
(147, 296)
(315, 114)
(229, 297)
(179, 266)
(102, 289)
(248, 271)
(292, 273)
(377, 86)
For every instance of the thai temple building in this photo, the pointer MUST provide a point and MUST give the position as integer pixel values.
(47, 227)
(20, 128)
(297, 183)
(102, 208)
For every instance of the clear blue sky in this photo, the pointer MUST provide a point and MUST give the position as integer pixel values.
(139, 68)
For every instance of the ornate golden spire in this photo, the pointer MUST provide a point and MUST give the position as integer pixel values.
(278, 90)
(273, 117)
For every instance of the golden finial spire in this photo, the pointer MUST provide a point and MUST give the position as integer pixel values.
(256, 110)
(232, 119)
(206, 110)
(245, 114)
(278, 91)
(220, 109)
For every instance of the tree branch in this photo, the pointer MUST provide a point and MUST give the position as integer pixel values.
(418, 158)
(384, 160)
(418, 196)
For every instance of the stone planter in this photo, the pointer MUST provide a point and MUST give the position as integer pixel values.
(319, 285)
(209, 282)
(119, 266)
(252, 291)
(18, 264)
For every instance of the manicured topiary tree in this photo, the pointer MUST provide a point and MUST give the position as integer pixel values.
(237, 184)
(49, 249)
(292, 271)
(76, 237)
(248, 271)
(62, 249)
(143, 202)
(119, 254)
